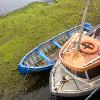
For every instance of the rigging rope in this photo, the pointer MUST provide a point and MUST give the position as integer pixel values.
(79, 18)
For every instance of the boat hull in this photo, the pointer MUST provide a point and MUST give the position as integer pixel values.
(26, 70)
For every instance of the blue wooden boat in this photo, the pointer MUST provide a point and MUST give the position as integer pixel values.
(44, 56)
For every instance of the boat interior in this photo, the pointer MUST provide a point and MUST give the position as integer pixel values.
(48, 52)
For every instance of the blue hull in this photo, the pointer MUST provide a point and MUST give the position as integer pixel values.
(26, 70)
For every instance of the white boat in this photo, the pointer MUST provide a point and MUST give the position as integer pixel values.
(66, 82)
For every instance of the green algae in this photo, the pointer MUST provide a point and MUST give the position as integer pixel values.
(19, 31)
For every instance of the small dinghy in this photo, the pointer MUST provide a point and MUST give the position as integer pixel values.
(77, 73)
(44, 56)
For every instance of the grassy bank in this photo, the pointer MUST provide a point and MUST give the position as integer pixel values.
(22, 30)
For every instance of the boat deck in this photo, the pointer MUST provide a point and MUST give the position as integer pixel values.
(65, 82)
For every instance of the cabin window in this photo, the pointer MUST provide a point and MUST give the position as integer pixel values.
(94, 72)
(72, 71)
(81, 74)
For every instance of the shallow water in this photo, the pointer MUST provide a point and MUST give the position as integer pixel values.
(7, 6)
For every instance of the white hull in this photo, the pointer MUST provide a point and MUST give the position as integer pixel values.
(73, 86)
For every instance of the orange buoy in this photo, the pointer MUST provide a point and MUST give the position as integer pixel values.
(88, 45)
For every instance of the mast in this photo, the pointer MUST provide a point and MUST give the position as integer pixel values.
(82, 23)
